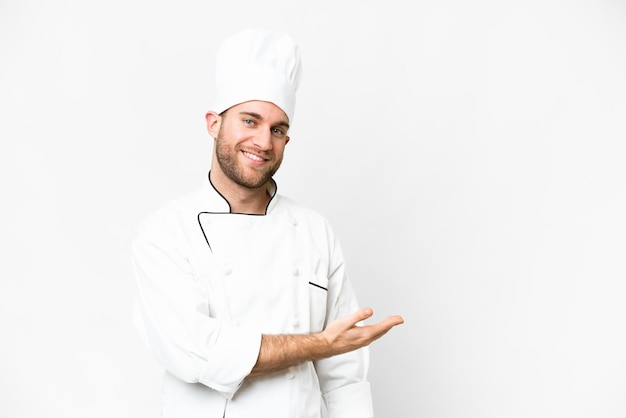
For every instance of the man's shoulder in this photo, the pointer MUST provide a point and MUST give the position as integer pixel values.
(295, 206)
(302, 211)
(171, 211)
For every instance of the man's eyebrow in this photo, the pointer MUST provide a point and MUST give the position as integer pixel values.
(254, 115)
(257, 116)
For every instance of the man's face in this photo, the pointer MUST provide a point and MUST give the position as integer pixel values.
(250, 142)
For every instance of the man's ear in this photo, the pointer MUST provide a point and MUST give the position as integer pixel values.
(213, 122)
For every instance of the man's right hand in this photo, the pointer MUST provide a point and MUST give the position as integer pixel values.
(348, 334)
(340, 336)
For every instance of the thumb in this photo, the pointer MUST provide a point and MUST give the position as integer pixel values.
(363, 314)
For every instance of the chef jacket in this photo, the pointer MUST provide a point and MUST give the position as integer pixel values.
(210, 282)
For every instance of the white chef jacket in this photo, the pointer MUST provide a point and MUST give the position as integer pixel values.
(210, 282)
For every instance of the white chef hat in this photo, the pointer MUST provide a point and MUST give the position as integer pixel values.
(257, 65)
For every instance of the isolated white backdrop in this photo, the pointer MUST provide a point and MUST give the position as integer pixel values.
(470, 155)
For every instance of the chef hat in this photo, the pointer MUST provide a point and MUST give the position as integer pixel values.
(257, 65)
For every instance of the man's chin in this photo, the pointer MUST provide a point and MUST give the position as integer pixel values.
(253, 182)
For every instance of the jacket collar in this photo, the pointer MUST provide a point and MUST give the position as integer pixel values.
(216, 202)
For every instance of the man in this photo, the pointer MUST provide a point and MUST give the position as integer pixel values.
(243, 295)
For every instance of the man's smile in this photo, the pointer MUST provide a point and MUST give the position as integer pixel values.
(253, 156)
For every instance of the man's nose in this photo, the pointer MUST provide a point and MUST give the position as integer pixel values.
(263, 139)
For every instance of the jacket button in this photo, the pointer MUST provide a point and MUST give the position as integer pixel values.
(296, 271)
(227, 271)
(289, 375)
(294, 222)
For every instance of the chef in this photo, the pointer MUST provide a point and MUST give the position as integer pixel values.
(242, 293)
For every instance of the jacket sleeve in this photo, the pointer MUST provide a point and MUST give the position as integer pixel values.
(172, 314)
(343, 378)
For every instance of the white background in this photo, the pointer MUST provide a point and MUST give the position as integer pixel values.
(469, 154)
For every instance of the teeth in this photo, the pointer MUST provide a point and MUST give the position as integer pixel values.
(252, 156)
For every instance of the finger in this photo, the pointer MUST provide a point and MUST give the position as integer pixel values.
(395, 320)
(385, 325)
(363, 314)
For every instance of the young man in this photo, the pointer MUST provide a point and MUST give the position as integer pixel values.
(243, 295)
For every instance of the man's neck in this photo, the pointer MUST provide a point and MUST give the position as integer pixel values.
(241, 199)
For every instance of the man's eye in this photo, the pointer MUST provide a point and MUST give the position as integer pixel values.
(278, 131)
(248, 121)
